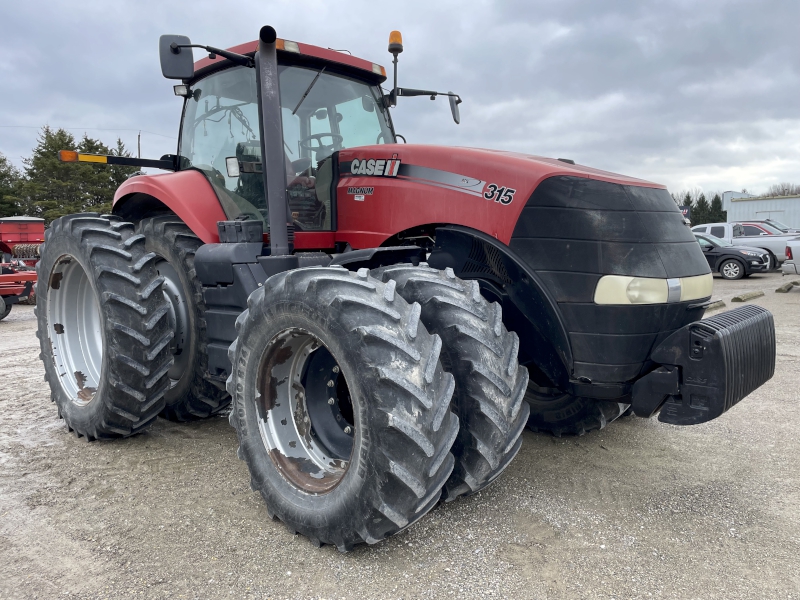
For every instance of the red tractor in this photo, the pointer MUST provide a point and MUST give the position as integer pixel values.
(383, 319)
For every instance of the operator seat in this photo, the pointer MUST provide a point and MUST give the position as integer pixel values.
(306, 210)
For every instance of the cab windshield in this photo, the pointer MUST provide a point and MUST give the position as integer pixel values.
(220, 121)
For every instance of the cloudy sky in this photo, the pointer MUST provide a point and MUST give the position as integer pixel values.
(692, 94)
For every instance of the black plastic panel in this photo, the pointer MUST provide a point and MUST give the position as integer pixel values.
(612, 348)
(573, 231)
(570, 287)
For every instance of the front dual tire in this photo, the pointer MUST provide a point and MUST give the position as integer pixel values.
(381, 466)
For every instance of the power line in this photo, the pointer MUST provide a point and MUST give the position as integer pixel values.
(171, 137)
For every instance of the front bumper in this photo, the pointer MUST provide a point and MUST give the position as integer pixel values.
(708, 366)
(790, 268)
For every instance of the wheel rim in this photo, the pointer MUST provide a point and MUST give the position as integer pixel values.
(76, 334)
(731, 270)
(178, 315)
(305, 414)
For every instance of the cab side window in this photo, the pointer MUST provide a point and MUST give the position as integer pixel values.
(752, 230)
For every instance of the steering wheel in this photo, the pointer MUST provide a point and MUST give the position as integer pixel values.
(321, 148)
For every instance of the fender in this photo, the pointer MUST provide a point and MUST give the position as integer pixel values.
(186, 193)
(528, 308)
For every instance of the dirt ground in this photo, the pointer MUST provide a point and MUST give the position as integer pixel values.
(639, 510)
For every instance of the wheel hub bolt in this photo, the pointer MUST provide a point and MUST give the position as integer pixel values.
(331, 401)
(336, 369)
(330, 383)
(348, 430)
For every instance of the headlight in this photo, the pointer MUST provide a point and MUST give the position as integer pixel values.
(620, 289)
(750, 253)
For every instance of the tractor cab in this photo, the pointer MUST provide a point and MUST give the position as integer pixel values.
(324, 107)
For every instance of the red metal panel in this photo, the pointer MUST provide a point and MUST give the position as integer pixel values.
(306, 49)
(399, 203)
(187, 193)
(311, 240)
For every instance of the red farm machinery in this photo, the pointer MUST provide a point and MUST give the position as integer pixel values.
(20, 242)
(381, 319)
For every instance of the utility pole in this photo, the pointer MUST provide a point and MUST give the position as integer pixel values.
(139, 143)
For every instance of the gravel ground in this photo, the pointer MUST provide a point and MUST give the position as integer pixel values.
(639, 510)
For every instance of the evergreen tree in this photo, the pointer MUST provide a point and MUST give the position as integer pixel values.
(702, 211)
(10, 178)
(717, 214)
(52, 189)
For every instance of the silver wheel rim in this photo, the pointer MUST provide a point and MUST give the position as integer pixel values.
(75, 330)
(178, 315)
(284, 420)
(731, 270)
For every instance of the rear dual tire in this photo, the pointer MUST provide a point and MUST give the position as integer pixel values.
(389, 375)
(102, 326)
(191, 394)
(482, 356)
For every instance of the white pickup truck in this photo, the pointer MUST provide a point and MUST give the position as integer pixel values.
(792, 265)
(735, 234)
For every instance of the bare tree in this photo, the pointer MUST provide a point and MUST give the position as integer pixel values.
(783, 189)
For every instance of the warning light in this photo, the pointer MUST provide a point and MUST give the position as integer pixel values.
(67, 156)
(395, 42)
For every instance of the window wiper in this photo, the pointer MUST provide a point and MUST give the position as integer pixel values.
(310, 85)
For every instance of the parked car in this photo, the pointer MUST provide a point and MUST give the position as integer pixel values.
(754, 228)
(783, 227)
(790, 266)
(732, 262)
(734, 233)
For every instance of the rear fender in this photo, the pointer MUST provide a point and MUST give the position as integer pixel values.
(528, 308)
(188, 194)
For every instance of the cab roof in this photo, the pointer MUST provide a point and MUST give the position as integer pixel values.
(375, 71)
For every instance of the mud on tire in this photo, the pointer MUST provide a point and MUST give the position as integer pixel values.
(191, 396)
(562, 414)
(102, 326)
(402, 427)
(482, 356)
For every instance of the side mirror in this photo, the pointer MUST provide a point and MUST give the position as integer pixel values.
(454, 102)
(176, 62)
(232, 166)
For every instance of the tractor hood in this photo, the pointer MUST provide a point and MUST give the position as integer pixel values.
(488, 188)
(569, 225)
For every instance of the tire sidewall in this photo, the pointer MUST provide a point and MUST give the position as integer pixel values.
(161, 247)
(88, 416)
(351, 497)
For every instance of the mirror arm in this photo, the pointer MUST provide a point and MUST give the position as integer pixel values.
(412, 92)
(237, 59)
